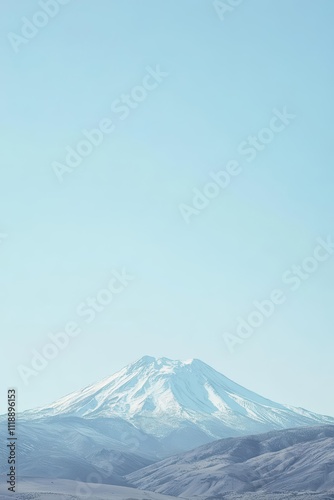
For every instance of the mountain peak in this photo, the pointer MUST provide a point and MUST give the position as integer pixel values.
(160, 396)
(163, 361)
(160, 363)
(144, 360)
(151, 361)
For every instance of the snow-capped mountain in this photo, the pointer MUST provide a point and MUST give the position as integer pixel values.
(149, 410)
(187, 403)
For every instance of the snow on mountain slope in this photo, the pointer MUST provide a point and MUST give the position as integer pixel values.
(77, 448)
(146, 412)
(280, 461)
(166, 398)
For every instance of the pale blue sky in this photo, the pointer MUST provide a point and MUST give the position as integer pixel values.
(119, 208)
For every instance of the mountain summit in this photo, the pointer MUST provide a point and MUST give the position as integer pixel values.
(180, 400)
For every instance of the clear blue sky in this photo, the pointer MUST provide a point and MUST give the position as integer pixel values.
(120, 207)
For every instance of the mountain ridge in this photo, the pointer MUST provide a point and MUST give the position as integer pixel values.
(292, 460)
